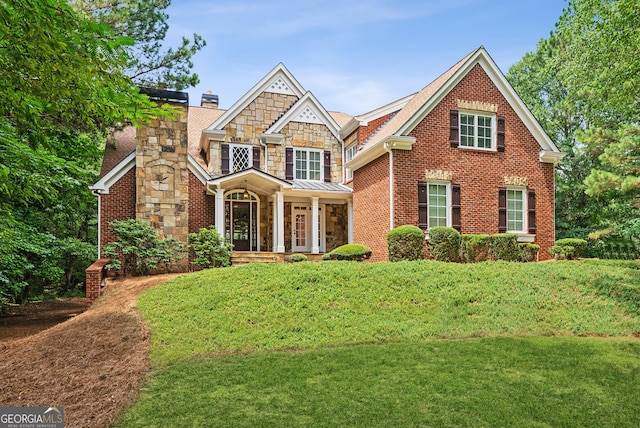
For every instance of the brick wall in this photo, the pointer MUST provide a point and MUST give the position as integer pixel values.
(479, 173)
(118, 204)
(371, 207)
(95, 274)
(201, 210)
(365, 132)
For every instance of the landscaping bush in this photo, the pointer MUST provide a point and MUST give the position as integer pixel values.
(474, 248)
(444, 244)
(296, 258)
(405, 243)
(210, 249)
(138, 251)
(354, 252)
(579, 247)
(527, 252)
(560, 252)
(613, 247)
(504, 246)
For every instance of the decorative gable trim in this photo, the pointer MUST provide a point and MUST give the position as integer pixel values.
(278, 80)
(307, 110)
(109, 179)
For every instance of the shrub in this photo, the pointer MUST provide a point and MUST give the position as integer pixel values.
(210, 249)
(560, 252)
(474, 248)
(613, 247)
(405, 243)
(504, 246)
(295, 258)
(326, 257)
(355, 252)
(444, 244)
(527, 252)
(138, 251)
(578, 247)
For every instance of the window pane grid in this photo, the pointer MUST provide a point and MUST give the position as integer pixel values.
(437, 205)
(476, 131)
(308, 165)
(241, 158)
(515, 211)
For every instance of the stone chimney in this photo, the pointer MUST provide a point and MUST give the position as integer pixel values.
(162, 177)
(209, 100)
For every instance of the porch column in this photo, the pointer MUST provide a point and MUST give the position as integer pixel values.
(274, 224)
(220, 212)
(315, 238)
(280, 220)
(350, 222)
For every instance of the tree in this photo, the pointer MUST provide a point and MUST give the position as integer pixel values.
(145, 21)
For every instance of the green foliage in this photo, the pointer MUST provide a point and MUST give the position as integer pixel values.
(573, 247)
(296, 258)
(561, 252)
(145, 22)
(474, 248)
(138, 251)
(527, 252)
(504, 246)
(353, 252)
(406, 243)
(210, 249)
(613, 247)
(444, 244)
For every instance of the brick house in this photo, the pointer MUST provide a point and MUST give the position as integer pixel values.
(277, 173)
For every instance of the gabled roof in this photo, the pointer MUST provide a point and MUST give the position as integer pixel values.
(279, 80)
(120, 145)
(364, 119)
(395, 134)
(306, 110)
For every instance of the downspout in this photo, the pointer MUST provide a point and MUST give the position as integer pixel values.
(391, 196)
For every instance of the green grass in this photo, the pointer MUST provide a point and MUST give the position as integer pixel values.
(403, 344)
(486, 382)
(310, 305)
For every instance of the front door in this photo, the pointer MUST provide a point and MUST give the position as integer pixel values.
(241, 221)
(300, 238)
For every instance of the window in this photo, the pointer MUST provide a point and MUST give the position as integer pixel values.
(308, 165)
(437, 205)
(350, 152)
(476, 131)
(515, 210)
(241, 157)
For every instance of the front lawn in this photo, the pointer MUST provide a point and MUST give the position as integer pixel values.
(403, 344)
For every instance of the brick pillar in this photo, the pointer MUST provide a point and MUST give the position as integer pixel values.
(94, 276)
(162, 177)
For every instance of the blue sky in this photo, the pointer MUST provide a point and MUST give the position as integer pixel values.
(354, 55)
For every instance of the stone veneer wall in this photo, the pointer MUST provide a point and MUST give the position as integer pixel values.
(162, 176)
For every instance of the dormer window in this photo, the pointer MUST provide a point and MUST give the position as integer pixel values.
(476, 130)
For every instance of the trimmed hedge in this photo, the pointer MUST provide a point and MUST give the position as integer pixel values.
(568, 248)
(474, 248)
(444, 244)
(504, 246)
(353, 252)
(296, 258)
(405, 243)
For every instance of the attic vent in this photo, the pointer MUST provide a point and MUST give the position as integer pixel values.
(279, 86)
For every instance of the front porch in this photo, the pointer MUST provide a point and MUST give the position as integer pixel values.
(246, 257)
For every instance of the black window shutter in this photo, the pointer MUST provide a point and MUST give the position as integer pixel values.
(423, 198)
(456, 222)
(454, 134)
(256, 157)
(327, 166)
(289, 163)
(502, 210)
(531, 211)
(225, 158)
(500, 134)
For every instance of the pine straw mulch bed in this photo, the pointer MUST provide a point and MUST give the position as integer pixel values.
(92, 365)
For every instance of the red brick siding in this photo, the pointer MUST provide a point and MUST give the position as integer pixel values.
(371, 206)
(201, 206)
(479, 173)
(118, 204)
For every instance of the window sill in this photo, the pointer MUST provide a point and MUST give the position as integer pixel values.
(477, 149)
(524, 237)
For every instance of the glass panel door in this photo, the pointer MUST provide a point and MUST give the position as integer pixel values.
(299, 229)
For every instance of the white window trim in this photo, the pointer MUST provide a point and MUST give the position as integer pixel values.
(448, 201)
(231, 151)
(295, 169)
(494, 128)
(523, 235)
(351, 148)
